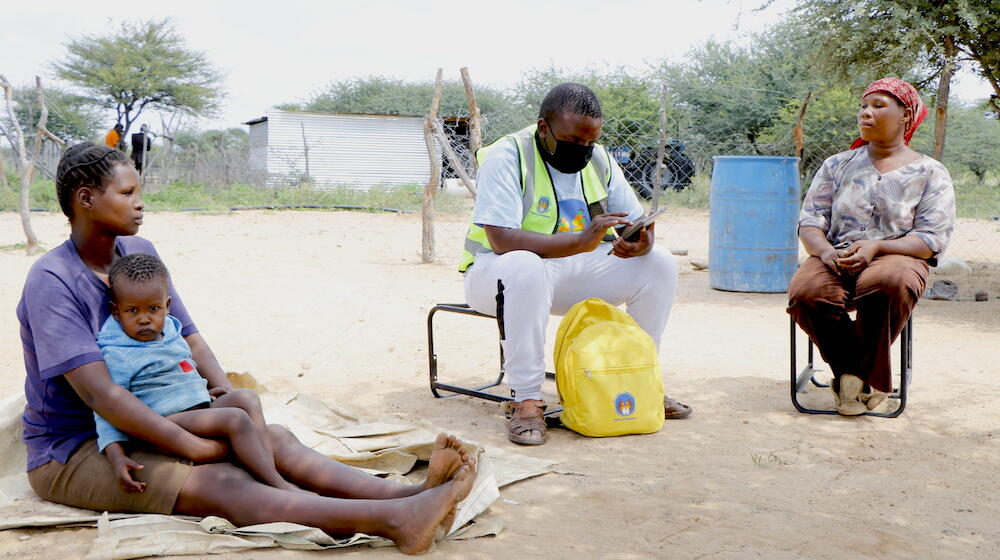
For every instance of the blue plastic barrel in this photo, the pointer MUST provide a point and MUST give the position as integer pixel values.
(754, 210)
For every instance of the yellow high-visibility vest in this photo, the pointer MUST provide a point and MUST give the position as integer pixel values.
(540, 203)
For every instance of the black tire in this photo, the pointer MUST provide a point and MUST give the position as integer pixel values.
(677, 172)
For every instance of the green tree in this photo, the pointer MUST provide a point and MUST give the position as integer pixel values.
(879, 37)
(230, 140)
(727, 95)
(141, 66)
(974, 143)
(384, 95)
(829, 126)
(392, 96)
(629, 100)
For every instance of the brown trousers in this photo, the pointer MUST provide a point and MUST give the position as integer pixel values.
(87, 481)
(883, 294)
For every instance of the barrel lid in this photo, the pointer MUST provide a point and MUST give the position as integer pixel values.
(757, 158)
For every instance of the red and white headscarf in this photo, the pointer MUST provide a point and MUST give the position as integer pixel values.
(907, 95)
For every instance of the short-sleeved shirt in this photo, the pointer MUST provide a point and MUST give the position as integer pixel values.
(850, 200)
(161, 373)
(499, 201)
(62, 308)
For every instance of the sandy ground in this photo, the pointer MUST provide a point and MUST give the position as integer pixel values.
(334, 303)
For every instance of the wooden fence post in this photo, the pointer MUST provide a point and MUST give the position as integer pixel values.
(442, 138)
(427, 237)
(661, 151)
(475, 119)
(3, 173)
(800, 138)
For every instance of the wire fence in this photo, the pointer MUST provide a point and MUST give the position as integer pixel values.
(701, 121)
(685, 181)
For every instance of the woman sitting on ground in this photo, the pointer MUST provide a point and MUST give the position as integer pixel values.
(873, 218)
(62, 307)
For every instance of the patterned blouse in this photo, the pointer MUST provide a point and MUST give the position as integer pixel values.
(850, 200)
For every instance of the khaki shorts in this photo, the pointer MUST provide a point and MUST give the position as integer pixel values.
(86, 481)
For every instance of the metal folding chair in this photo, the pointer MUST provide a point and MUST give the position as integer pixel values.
(478, 392)
(799, 380)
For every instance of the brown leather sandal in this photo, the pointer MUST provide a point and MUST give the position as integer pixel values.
(675, 410)
(526, 417)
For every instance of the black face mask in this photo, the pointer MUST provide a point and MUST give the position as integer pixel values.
(568, 157)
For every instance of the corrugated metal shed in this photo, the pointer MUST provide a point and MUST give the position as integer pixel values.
(257, 145)
(339, 149)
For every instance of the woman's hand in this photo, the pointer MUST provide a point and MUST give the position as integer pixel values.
(830, 258)
(130, 415)
(637, 248)
(859, 255)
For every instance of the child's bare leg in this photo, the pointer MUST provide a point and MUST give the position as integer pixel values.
(247, 400)
(224, 490)
(236, 425)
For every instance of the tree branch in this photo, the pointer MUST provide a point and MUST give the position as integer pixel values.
(438, 131)
(15, 132)
(990, 76)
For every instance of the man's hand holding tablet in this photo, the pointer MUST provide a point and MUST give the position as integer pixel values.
(631, 233)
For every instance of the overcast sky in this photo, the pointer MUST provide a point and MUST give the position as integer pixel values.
(276, 52)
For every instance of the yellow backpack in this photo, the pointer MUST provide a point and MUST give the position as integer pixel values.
(607, 372)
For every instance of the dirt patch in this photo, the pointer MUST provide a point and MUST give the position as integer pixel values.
(335, 303)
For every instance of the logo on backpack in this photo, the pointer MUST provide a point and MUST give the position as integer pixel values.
(624, 404)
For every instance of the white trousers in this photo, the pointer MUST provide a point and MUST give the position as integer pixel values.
(534, 288)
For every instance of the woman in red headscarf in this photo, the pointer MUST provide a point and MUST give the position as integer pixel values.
(875, 216)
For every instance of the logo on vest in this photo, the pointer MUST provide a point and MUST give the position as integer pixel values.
(624, 404)
(543, 205)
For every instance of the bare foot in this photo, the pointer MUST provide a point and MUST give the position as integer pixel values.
(446, 458)
(414, 532)
(442, 530)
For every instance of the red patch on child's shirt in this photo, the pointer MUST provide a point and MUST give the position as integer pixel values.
(186, 366)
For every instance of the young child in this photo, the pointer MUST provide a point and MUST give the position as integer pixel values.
(145, 353)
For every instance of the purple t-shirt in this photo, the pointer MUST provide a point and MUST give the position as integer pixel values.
(62, 308)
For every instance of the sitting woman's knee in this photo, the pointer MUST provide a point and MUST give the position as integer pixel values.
(895, 283)
(809, 295)
(211, 480)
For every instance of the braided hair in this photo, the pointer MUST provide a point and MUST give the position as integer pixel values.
(137, 267)
(85, 165)
(570, 98)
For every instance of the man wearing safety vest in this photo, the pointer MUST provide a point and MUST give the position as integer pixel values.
(540, 240)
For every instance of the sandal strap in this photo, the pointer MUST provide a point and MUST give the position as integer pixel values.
(520, 426)
(513, 409)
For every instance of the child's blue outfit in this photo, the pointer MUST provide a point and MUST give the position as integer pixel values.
(161, 373)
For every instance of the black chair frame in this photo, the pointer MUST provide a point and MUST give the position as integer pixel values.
(478, 392)
(800, 379)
